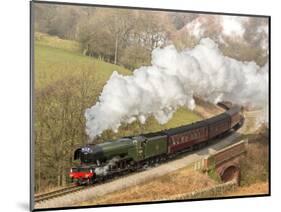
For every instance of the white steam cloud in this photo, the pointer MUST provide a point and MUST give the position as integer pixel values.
(171, 82)
(233, 25)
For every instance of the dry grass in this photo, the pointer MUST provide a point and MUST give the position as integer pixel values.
(254, 189)
(254, 167)
(56, 42)
(179, 182)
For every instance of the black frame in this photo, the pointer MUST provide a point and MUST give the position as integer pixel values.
(31, 88)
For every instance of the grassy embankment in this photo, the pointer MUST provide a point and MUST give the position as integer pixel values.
(181, 181)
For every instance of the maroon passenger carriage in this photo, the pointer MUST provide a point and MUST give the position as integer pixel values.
(197, 134)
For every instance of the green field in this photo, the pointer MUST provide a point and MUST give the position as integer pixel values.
(66, 83)
(57, 59)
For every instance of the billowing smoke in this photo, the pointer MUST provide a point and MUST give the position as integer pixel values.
(230, 28)
(171, 82)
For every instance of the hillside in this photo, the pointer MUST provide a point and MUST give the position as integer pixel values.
(58, 60)
(66, 84)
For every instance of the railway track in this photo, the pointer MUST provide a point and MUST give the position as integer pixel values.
(57, 193)
(39, 198)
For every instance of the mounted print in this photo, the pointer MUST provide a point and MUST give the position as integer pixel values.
(140, 105)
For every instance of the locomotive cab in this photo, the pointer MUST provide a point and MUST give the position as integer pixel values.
(77, 154)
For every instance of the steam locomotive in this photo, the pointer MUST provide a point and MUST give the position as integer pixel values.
(101, 161)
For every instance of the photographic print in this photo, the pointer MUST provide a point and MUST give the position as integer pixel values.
(140, 105)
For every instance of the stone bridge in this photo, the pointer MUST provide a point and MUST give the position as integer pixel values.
(225, 162)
